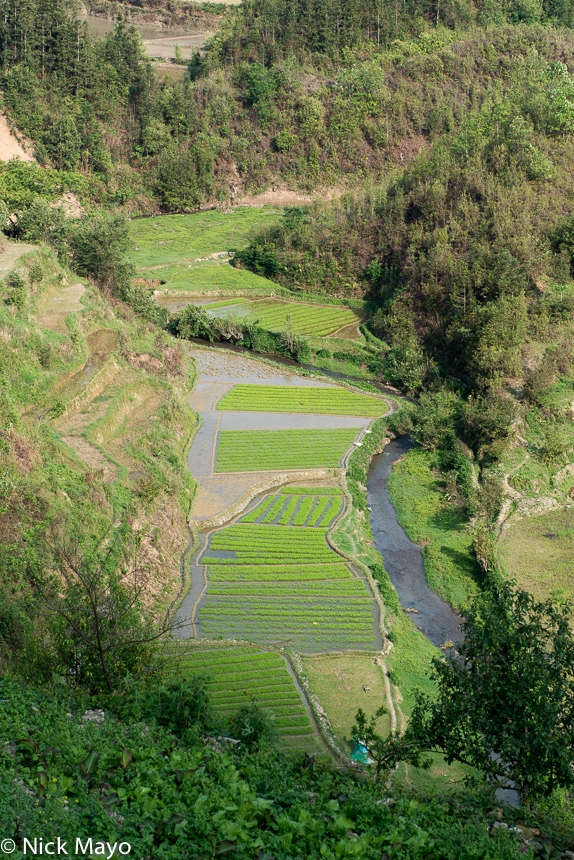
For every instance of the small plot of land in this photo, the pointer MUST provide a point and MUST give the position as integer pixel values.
(344, 684)
(209, 276)
(285, 583)
(179, 239)
(238, 675)
(276, 315)
(322, 401)
(259, 450)
(290, 509)
(539, 552)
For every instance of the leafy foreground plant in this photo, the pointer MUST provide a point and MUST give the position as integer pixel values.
(190, 795)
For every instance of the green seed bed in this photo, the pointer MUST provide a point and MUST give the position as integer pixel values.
(278, 573)
(272, 450)
(312, 491)
(318, 401)
(318, 511)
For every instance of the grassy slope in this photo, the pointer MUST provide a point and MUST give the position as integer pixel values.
(86, 457)
(441, 530)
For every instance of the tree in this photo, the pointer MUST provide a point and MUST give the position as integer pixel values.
(101, 629)
(100, 244)
(505, 701)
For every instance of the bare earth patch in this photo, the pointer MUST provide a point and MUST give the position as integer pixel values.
(56, 306)
(10, 147)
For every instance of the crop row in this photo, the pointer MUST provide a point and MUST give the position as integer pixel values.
(274, 510)
(278, 573)
(272, 450)
(272, 315)
(305, 509)
(319, 510)
(316, 401)
(247, 664)
(288, 511)
(285, 697)
(295, 510)
(293, 593)
(258, 511)
(312, 491)
(339, 588)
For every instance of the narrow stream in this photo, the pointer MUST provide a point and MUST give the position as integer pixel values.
(403, 558)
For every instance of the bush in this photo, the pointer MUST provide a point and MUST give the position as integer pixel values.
(253, 726)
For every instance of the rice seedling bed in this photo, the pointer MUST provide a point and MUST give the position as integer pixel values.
(305, 508)
(295, 510)
(340, 588)
(303, 319)
(259, 511)
(312, 491)
(332, 512)
(274, 510)
(317, 401)
(278, 573)
(267, 582)
(318, 511)
(272, 688)
(271, 450)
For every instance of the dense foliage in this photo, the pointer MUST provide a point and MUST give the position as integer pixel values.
(171, 790)
(505, 701)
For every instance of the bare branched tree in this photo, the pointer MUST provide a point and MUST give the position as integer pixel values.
(103, 633)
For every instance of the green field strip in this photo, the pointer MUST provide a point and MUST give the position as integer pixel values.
(292, 721)
(319, 401)
(332, 512)
(258, 511)
(278, 573)
(234, 686)
(312, 491)
(288, 511)
(272, 450)
(305, 508)
(318, 511)
(342, 588)
(304, 319)
(295, 730)
(275, 509)
(273, 687)
(266, 534)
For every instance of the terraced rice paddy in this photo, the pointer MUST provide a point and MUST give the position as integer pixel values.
(288, 509)
(180, 239)
(318, 401)
(238, 675)
(273, 577)
(262, 450)
(276, 315)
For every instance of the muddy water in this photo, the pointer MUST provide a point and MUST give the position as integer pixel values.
(403, 558)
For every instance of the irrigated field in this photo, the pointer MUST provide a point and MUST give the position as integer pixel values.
(263, 450)
(276, 315)
(319, 401)
(239, 675)
(279, 580)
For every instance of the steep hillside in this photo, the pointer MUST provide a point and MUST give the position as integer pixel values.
(94, 427)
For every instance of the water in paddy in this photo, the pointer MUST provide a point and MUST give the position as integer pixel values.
(403, 558)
